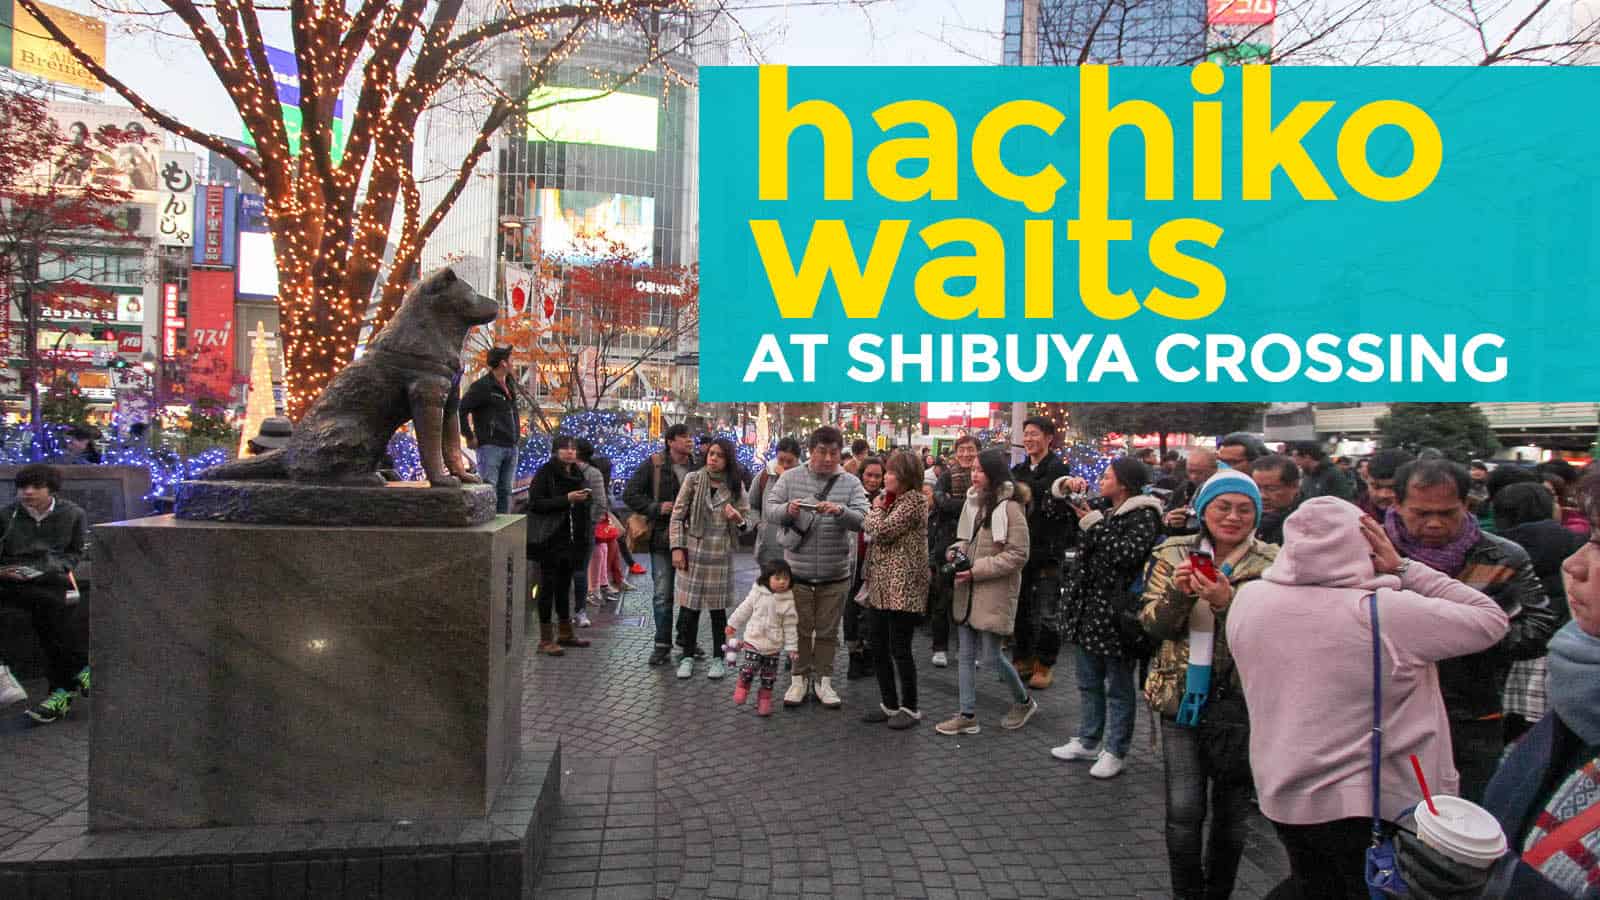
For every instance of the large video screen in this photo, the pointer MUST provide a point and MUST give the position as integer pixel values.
(590, 116)
(258, 265)
(571, 223)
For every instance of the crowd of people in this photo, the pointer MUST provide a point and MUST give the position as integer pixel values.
(1240, 590)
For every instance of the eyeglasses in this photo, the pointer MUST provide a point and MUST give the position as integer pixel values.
(1241, 511)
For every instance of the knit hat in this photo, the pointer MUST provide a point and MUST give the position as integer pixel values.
(1227, 481)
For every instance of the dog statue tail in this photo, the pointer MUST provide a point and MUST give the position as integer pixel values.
(265, 467)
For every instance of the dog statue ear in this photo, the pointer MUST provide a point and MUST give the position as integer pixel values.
(448, 276)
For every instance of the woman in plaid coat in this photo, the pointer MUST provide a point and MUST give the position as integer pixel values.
(707, 517)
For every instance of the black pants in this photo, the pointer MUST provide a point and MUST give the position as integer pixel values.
(1327, 861)
(891, 642)
(1476, 746)
(940, 592)
(1214, 756)
(1038, 615)
(853, 614)
(689, 625)
(64, 654)
(555, 589)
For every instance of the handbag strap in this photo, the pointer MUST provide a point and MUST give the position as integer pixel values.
(1377, 722)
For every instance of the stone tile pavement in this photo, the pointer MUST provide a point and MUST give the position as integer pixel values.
(670, 790)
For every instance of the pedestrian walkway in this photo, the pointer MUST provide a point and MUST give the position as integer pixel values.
(672, 791)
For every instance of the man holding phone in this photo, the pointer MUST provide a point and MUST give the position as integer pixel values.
(42, 543)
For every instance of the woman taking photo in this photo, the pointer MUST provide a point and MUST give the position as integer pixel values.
(1113, 548)
(559, 534)
(710, 511)
(990, 550)
(896, 531)
(1302, 637)
(870, 472)
(1194, 685)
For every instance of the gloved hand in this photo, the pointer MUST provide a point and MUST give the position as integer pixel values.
(1430, 875)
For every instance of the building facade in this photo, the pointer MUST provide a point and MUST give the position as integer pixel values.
(1103, 32)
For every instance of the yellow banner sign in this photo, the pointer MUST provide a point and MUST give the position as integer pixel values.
(35, 52)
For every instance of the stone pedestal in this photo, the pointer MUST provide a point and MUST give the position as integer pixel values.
(261, 674)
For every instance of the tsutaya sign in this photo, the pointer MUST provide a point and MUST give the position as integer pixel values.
(1250, 233)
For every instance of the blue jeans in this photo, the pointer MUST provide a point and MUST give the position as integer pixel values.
(666, 580)
(497, 465)
(970, 639)
(1105, 681)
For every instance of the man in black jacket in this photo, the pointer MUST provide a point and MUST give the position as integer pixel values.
(42, 543)
(1052, 528)
(490, 424)
(650, 493)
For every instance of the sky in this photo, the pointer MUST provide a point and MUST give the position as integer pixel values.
(173, 76)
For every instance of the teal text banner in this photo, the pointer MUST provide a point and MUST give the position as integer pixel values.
(1121, 234)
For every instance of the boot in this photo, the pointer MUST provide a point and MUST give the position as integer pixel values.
(742, 691)
(1024, 668)
(1042, 678)
(764, 702)
(796, 694)
(568, 639)
(547, 640)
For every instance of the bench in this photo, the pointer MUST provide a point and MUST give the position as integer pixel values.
(107, 494)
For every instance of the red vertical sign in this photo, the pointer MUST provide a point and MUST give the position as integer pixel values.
(215, 195)
(211, 333)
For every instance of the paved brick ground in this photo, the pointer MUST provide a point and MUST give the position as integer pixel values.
(672, 791)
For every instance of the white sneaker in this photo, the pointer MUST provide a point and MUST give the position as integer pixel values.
(716, 669)
(1107, 766)
(686, 667)
(940, 660)
(796, 694)
(10, 690)
(1074, 749)
(583, 620)
(826, 695)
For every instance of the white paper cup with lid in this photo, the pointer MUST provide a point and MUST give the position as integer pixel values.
(1462, 830)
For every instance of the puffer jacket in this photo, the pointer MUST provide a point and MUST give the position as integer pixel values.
(769, 621)
(989, 601)
(1165, 617)
(897, 555)
(1111, 555)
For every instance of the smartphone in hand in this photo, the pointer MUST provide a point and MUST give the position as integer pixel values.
(1203, 564)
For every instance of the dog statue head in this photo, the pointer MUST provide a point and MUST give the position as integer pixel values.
(451, 299)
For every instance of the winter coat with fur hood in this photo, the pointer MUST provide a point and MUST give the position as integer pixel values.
(991, 595)
(1112, 553)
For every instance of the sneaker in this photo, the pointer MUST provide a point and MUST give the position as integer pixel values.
(686, 667)
(915, 714)
(54, 708)
(636, 569)
(796, 694)
(958, 724)
(903, 719)
(878, 715)
(940, 660)
(11, 690)
(717, 669)
(582, 619)
(1109, 765)
(1074, 749)
(82, 680)
(659, 655)
(1019, 714)
(826, 695)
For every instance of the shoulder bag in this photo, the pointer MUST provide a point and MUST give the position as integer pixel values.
(640, 526)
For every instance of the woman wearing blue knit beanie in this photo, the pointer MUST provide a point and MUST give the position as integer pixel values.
(1194, 685)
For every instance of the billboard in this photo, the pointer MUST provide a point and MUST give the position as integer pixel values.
(257, 260)
(956, 415)
(131, 164)
(30, 49)
(1241, 12)
(215, 219)
(211, 333)
(570, 220)
(286, 75)
(175, 216)
(591, 116)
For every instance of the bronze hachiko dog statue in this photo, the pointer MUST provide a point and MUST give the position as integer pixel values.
(411, 370)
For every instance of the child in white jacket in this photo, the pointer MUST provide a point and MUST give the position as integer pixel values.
(770, 627)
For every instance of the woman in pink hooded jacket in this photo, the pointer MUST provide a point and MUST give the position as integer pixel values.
(1302, 639)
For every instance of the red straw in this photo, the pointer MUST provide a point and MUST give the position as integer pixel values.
(1426, 794)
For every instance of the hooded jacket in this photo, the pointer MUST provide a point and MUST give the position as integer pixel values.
(1302, 639)
(769, 621)
(1112, 552)
(1548, 544)
(991, 595)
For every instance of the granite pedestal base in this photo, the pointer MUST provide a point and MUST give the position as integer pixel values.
(493, 857)
(407, 504)
(274, 675)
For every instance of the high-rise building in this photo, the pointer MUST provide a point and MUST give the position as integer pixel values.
(1108, 32)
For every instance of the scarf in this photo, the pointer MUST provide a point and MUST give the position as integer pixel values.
(1575, 871)
(717, 492)
(1449, 559)
(1202, 647)
(1574, 684)
(999, 520)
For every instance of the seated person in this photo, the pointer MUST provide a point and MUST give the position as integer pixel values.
(41, 544)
